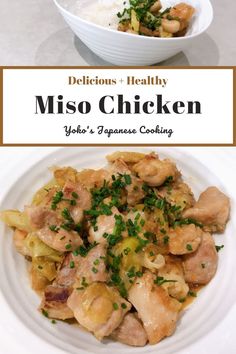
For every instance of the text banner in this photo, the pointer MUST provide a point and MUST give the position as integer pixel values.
(117, 106)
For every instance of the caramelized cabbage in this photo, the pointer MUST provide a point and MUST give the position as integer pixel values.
(98, 301)
(129, 157)
(131, 261)
(16, 219)
(38, 248)
(42, 192)
(38, 281)
(64, 174)
(45, 267)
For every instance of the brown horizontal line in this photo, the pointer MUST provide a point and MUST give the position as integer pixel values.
(118, 67)
(112, 145)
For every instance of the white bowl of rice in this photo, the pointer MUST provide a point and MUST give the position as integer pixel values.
(95, 22)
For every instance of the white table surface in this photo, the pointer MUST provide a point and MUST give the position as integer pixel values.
(33, 33)
(222, 338)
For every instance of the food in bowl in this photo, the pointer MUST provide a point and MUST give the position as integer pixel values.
(121, 249)
(143, 17)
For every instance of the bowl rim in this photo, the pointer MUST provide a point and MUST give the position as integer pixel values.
(130, 35)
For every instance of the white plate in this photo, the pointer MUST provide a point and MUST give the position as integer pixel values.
(198, 320)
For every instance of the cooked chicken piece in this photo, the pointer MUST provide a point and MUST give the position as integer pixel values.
(66, 275)
(184, 239)
(154, 171)
(135, 192)
(158, 311)
(124, 26)
(127, 157)
(83, 201)
(60, 240)
(178, 194)
(200, 266)
(130, 331)
(92, 267)
(119, 167)
(183, 12)
(173, 271)
(39, 216)
(56, 295)
(18, 240)
(54, 302)
(104, 224)
(92, 178)
(98, 308)
(156, 6)
(42, 215)
(211, 209)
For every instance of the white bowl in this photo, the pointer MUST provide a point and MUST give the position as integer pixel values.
(128, 49)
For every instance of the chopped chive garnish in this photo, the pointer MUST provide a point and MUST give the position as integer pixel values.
(161, 280)
(189, 247)
(54, 228)
(94, 270)
(115, 306)
(96, 262)
(218, 248)
(45, 313)
(192, 293)
(75, 195)
(166, 240)
(72, 264)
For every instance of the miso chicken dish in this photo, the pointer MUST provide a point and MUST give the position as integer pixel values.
(120, 250)
(146, 17)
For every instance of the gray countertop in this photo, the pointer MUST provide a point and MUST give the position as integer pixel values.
(32, 32)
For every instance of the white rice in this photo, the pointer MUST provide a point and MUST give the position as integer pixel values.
(100, 12)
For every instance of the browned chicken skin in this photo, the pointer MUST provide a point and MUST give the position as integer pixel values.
(55, 296)
(54, 302)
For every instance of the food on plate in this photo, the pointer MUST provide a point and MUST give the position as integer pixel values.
(122, 249)
(142, 17)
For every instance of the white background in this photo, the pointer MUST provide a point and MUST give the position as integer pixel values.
(213, 88)
(17, 339)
